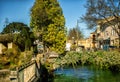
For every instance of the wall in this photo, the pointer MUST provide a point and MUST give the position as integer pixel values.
(27, 73)
(4, 75)
(107, 33)
(2, 47)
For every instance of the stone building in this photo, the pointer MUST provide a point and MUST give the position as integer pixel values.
(6, 42)
(106, 36)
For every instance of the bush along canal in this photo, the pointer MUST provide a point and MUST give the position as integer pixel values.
(85, 74)
(100, 66)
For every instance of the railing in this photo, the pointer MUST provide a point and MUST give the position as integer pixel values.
(26, 73)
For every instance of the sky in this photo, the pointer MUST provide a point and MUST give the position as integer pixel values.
(15, 11)
(19, 11)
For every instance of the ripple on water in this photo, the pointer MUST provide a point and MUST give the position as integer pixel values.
(82, 73)
(86, 74)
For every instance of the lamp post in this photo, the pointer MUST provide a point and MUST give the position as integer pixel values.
(77, 31)
(35, 49)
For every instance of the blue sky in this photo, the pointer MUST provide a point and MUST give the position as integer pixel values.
(73, 10)
(15, 10)
(19, 11)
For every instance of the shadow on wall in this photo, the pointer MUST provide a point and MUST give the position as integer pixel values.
(45, 75)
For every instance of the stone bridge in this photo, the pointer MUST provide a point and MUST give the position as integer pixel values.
(32, 71)
(28, 72)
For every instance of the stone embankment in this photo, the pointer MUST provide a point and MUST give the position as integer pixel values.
(4, 75)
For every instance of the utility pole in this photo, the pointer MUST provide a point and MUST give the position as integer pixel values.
(6, 22)
(77, 32)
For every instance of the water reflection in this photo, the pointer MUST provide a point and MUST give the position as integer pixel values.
(85, 74)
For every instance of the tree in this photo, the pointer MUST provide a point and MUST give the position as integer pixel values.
(48, 24)
(74, 32)
(15, 27)
(21, 34)
(106, 10)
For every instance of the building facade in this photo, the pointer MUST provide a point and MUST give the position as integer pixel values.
(106, 37)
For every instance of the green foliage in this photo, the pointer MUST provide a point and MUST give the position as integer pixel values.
(4, 38)
(28, 44)
(21, 34)
(73, 47)
(48, 23)
(104, 59)
(101, 59)
(14, 27)
(1, 66)
(12, 56)
(25, 57)
(55, 39)
(23, 40)
(70, 58)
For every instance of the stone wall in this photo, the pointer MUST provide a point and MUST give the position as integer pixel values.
(2, 47)
(26, 73)
(29, 73)
(4, 75)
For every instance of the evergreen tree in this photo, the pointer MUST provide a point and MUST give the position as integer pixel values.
(21, 34)
(48, 23)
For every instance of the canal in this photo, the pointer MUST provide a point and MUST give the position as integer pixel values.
(85, 74)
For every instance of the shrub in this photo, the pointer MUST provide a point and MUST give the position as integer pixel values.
(102, 59)
(25, 57)
(12, 55)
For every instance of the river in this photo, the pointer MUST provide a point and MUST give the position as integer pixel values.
(85, 74)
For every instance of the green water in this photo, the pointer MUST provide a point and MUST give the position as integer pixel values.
(85, 74)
